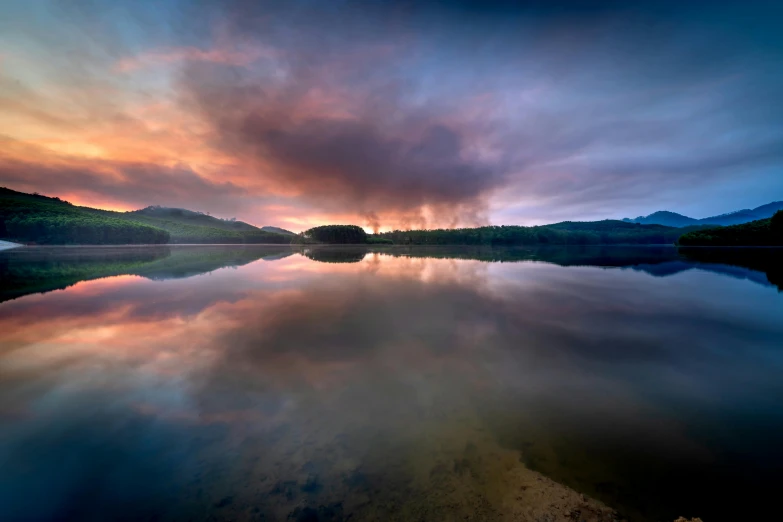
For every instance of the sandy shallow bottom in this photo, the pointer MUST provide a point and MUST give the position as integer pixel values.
(431, 474)
(493, 486)
(339, 457)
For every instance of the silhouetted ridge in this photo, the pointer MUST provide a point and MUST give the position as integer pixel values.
(737, 217)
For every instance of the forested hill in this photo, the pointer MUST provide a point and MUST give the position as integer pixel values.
(190, 217)
(763, 232)
(607, 232)
(187, 226)
(278, 230)
(33, 218)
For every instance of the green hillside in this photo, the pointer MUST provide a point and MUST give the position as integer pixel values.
(189, 227)
(278, 230)
(32, 218)
(190, 217)
(764, 232)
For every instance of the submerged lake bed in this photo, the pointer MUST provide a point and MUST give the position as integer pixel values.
(390, 383)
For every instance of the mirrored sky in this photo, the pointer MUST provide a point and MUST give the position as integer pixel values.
(131, 393)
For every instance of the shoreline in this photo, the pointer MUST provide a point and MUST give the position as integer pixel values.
(4, 245)
(7, 245)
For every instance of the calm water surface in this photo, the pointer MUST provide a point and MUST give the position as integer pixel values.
(264, 383)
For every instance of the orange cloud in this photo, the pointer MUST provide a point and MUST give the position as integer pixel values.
(107, 142)
(181, 54)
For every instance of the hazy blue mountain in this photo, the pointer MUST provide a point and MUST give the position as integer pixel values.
(745, 215)
(738, 217)
(665, 218)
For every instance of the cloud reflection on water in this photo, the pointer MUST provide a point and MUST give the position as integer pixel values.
(365, 377)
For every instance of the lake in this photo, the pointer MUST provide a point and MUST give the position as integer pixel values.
(337, 383)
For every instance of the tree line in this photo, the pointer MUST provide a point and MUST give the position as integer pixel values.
(764, 232)
(32, 218)
(333, 234)
(607, 232)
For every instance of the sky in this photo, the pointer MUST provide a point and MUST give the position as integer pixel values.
(395, 114)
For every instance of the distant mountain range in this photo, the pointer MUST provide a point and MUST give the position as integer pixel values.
(672, 219)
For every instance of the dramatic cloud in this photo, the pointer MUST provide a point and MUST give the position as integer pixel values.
(124, 184)
(356, 161)
(397, 114)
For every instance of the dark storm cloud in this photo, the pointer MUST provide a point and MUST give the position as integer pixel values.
(373, 167)
(343, 136)
(354, 161)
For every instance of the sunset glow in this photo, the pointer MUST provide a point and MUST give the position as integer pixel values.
(390, 117)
